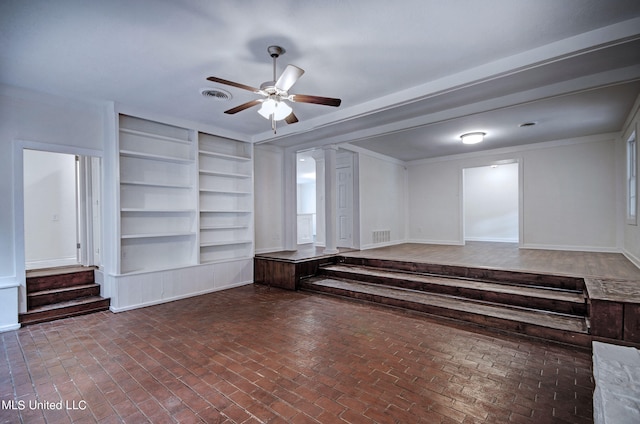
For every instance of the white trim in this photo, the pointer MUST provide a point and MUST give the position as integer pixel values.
(630, 118)
(633, 259)
(367, 152)
(628, 136)
(597, 249)
(10, 327)
(386, 244)
(517, 149)
(19, 145)
(8, 283)
(120, 108)
(51, 263)
(492, 240)
(436, 242)
(57, 148)
(179, 297)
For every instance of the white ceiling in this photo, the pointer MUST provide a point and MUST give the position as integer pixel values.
(412, 75)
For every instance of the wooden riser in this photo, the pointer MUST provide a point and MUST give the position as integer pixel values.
(48, 297)
(64, 310)
(480, 274)
(560, 328)
(553, 300)
(49, 282)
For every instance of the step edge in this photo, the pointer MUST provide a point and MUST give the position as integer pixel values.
(87, 300)
(576, 318)
(574, 297)
(63, 289)
(457, 277)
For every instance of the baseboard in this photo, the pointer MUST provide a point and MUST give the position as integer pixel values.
(10, 327)
(174, 298)
(377, 245)
(492, 240)
(633, 259)
(440, 242)
(51, 263)
(594, 249)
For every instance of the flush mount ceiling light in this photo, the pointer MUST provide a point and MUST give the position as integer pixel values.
(472, 137)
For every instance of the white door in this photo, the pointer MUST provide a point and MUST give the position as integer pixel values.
(344, 186)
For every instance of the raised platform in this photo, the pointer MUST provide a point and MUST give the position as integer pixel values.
(554, 304)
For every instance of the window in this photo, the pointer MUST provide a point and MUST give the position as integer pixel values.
(632, 179)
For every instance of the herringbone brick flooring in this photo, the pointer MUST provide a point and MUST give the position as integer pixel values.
(254, 354)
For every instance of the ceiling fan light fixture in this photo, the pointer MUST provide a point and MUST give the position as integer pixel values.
(472, 137)
(279, 109)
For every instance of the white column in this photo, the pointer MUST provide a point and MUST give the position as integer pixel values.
(330, 187)
(318, 155)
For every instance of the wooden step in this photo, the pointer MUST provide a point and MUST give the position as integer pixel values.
(565, 282)
(547, 325)
(47, 297)
(65, 309)
(37, 282)
(535, 297)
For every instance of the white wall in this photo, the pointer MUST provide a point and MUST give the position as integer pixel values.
(269, 198)
(33, 117)
(435, 202)
(491, 203)
(382, 199)
(49, 209)
(569, 199)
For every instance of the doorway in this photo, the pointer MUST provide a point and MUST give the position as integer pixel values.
(306, 205)
(491, 203)
(61, 194)
(311, 225)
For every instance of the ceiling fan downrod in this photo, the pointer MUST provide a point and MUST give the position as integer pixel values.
(275, 52)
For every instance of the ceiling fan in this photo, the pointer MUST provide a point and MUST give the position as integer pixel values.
(275, 92)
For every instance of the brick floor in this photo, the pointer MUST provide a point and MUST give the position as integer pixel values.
(254, 354)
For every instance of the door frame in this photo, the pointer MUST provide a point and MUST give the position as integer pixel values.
(461, 190)
(18, 202)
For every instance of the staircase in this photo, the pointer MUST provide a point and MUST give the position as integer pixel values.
(61, 293)
(539, 305)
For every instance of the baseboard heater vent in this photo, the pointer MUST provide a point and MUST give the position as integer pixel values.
(381, 236)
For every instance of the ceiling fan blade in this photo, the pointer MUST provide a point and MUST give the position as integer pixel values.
(289, 77)
(327, 101)
(291, 119)
(243, 107)
(234, 84)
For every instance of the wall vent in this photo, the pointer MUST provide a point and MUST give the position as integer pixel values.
(381, 236)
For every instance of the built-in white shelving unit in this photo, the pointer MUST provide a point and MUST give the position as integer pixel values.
(225, 199)
(158, 208)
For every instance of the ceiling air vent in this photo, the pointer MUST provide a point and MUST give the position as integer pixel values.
(216, 94)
